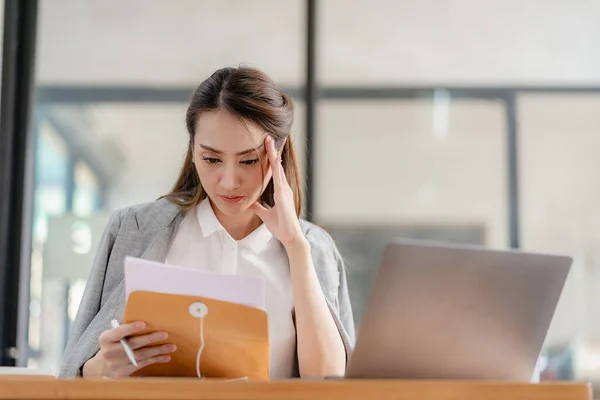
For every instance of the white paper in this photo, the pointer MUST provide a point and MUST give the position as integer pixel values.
(151, 276)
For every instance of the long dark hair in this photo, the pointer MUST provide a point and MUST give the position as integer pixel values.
(250, 95)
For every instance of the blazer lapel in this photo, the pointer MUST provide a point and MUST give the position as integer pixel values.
(159, 245)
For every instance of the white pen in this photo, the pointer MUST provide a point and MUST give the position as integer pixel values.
(128, 351)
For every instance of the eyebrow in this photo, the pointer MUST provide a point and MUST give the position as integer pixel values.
(241, 153)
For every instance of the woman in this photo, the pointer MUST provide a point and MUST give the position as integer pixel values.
(234, 209)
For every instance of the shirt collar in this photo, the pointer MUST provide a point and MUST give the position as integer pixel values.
(209, 224)
(258, 239)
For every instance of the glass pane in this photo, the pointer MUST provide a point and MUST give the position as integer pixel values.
(50, 200)
(383, 42)
(150, 42)
(560, 213)
(436, 169)
(87, 190)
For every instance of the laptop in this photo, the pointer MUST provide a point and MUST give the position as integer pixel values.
(444, 311)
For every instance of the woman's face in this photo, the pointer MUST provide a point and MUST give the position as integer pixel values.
(226, 154)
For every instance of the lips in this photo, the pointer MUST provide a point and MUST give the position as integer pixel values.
(232, 199)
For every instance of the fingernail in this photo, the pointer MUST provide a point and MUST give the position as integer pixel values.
(171, 348)
(163, 335)
(140, 325)
(165, 359)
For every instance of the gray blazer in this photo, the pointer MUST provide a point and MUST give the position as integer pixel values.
(146, 231)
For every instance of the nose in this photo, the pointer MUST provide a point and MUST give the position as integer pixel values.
(230, 179)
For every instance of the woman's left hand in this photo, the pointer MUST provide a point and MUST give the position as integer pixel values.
(281, 219)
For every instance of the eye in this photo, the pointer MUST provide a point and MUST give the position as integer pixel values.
(249, 162)
(211, 160)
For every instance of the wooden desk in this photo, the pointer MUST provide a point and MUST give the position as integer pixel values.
(25, 388)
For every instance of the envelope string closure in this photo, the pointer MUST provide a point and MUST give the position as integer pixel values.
(199, 310)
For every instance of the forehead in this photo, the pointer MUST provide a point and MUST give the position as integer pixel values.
(223, 131)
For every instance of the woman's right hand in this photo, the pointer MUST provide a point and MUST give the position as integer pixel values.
(112, 361)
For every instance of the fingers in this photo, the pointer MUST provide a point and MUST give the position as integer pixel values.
(125, 370)
(118, 364)
(153, 351)
(147, 339)
(116, 334)
(274, 160)
(114, 357)
(259, 210)
(152, 360)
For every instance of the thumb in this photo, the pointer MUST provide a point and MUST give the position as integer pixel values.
(259, 210)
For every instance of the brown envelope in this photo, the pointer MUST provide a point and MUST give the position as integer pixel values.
(236, 337)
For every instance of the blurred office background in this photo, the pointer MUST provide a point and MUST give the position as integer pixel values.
(467, 121)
